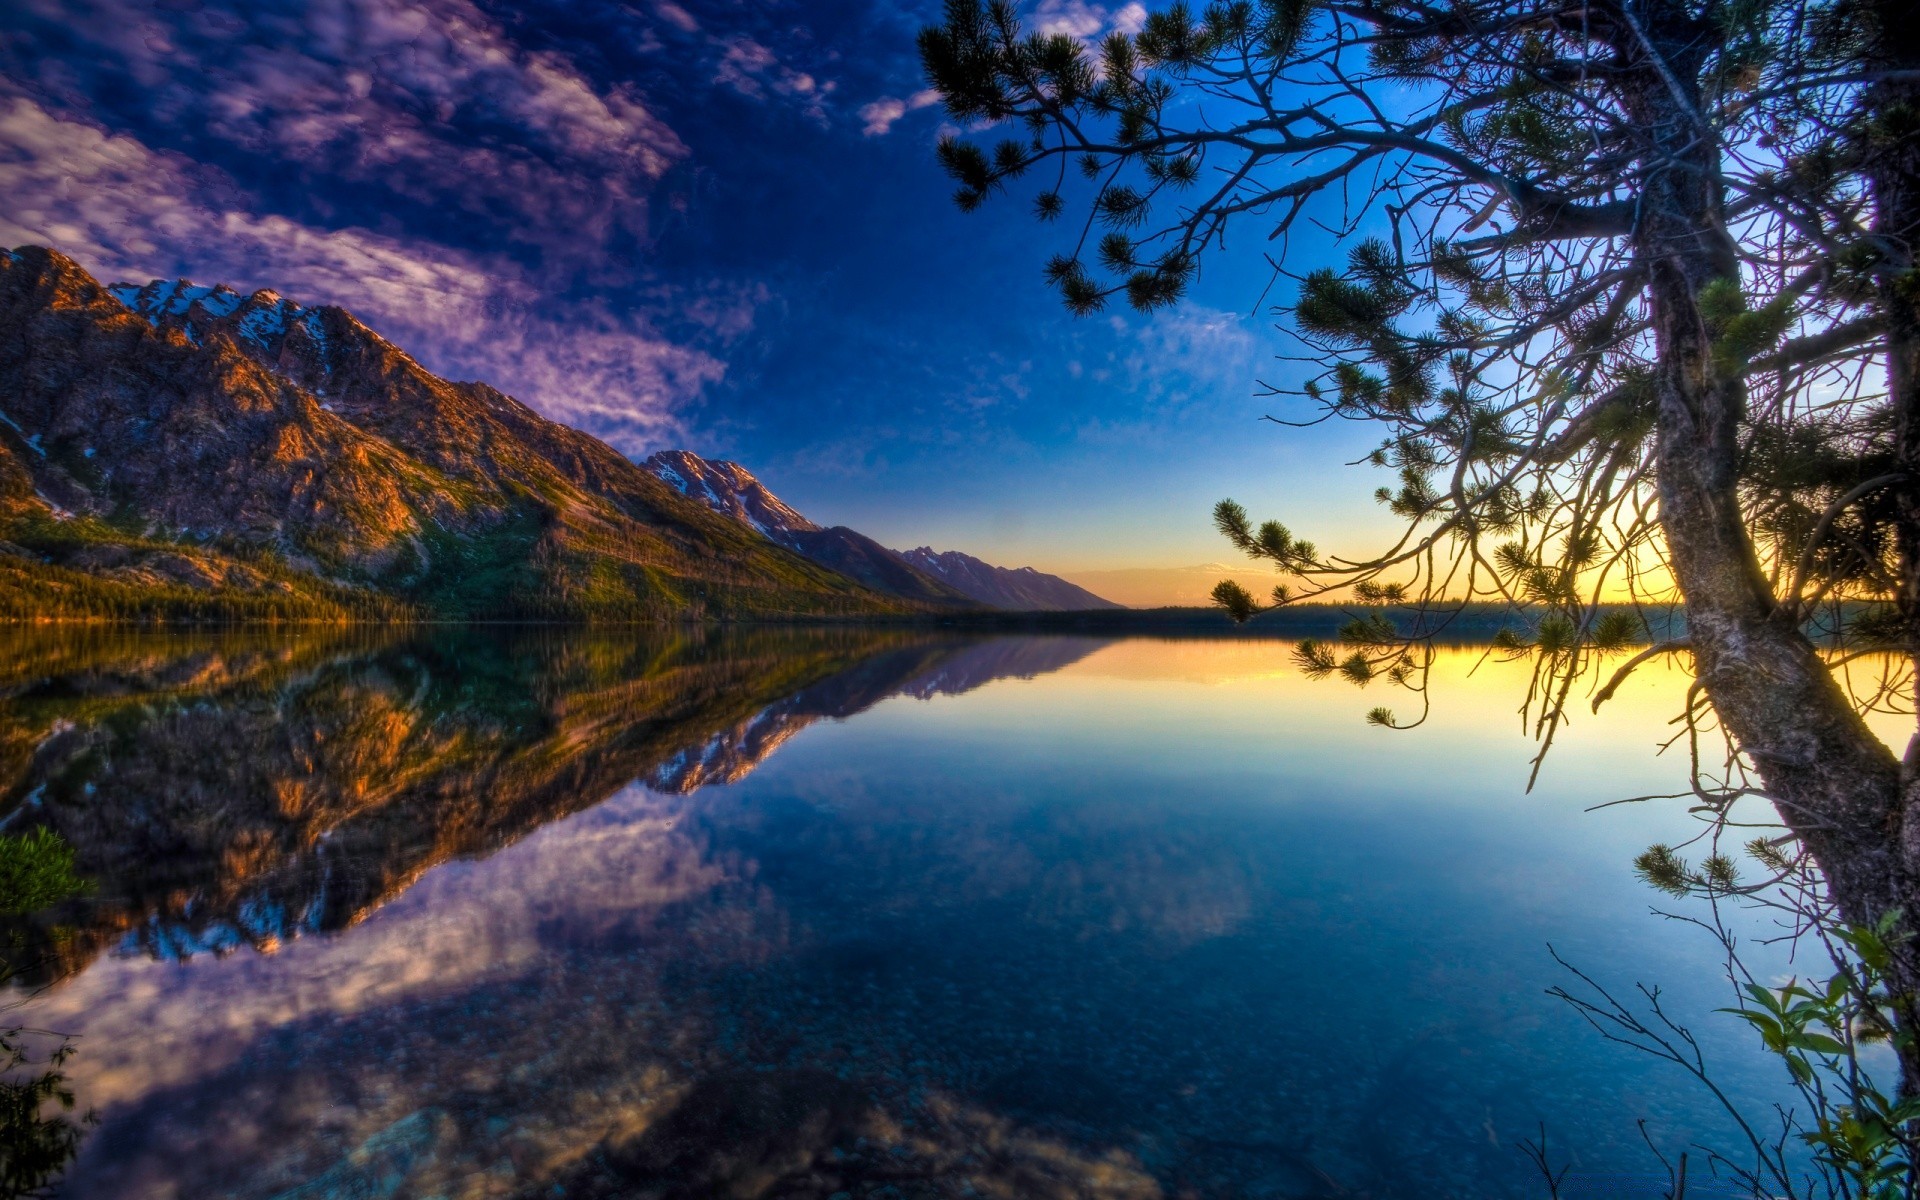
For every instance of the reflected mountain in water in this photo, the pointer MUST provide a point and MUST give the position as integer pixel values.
(1163, 924)
(240, 790)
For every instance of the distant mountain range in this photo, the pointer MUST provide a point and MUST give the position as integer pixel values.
(1022, 589)
(918, 574)
(174, 450)
(731, 489)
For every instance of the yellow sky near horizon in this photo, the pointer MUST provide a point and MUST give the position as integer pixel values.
(1186, 587)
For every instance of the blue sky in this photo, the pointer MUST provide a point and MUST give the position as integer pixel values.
(716, 226)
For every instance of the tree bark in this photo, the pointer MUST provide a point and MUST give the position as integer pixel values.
(1836, 786)
(1891, 111)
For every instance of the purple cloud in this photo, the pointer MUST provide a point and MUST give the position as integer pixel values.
(125, 210)
(1087, 21)
(432, 101)
(752, 70)
(878, 117)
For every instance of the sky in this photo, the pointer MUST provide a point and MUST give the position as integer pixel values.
(716, 226)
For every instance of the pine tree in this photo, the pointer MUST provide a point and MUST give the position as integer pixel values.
(1629, 295)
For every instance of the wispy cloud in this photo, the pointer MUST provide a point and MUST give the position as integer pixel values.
(878, 117)
(431, 101)
(1087, 21)
(752, 70)
(676, 16)
(1201, 348)
(126, 210)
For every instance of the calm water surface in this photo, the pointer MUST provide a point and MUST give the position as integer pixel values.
(803, 914)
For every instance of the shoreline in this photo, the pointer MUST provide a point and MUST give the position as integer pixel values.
(1475, 623)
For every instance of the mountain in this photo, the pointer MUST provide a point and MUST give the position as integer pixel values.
(169, 449)
(729, 488)
(1022, 589)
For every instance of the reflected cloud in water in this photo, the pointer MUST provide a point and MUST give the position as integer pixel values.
(523, 913)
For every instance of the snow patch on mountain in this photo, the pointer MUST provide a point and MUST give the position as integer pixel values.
(176, 297)
(265, 318)
(262, 321)
(731, 490)
(316, 331)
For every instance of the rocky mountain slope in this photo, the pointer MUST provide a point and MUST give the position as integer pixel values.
(168, 449)
(920, 574)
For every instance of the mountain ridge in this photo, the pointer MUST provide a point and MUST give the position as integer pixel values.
(733, 491)
(173, 449)
(1021, 589)
(730, 489)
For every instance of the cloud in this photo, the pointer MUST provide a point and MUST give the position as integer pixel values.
(754, 71)
(1130, 18)
(125, 210)
(1086, 21)
(879, 116)
(431, 101)
(676, 16)
(1194, 352)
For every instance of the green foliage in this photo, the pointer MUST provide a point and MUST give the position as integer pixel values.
(1271, 541)
(1314, 658)
(1660, 867)
(477, 575)
(38, 1134)
(1794, 472)
(1369, 592)
(1557, 340)
(1617, 630)
(1663, 868)
(1343, 310)
(36, 872)
(1818, 1028)
(1370, 629)
(1740, 333)
(1357, 669)
(1236, 600)
(49, 582)
(1556, 634)
(526, 564)
(1506, 355)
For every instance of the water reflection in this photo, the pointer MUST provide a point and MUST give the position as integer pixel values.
(548, 916)
(241, 792)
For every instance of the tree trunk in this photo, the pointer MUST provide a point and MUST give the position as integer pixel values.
(1836, 786)
(1892, 112)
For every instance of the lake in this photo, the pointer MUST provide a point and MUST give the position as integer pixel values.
(499, 912)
